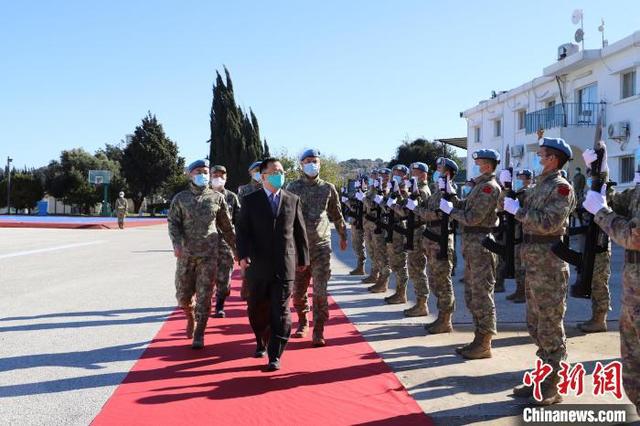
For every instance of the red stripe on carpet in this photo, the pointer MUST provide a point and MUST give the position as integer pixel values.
(343, 383)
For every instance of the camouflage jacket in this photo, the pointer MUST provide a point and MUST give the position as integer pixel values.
(547, 206)
(479, 208)
(622, 220)
(248, 188)
(429, 210)
(424, 192)
(194, 218)
(233, 204)
(121, 206)
(320, 205)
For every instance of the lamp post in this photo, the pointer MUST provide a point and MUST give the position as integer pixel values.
(9, 160)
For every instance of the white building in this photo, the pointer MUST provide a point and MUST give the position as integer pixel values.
(566, 101)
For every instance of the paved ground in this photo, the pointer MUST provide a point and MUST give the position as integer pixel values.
(78, 307)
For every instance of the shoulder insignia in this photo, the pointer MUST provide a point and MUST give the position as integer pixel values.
(564, 190)
(487, 189)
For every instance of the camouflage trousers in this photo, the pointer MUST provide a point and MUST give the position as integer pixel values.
(318, 272)
(195, 276)
(519, 267)
(417, 263)
(357, 243)
(630, 332)
(600, 298)
(480, 280)
(546, 284)
(369, 244)
(225, 268)
(398, 260)
(439, 273)
(382, 257)
(121, 217)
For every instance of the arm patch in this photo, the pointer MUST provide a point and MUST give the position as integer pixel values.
(564, 190)
(487, 189)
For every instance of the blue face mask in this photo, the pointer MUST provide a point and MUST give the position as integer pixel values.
(475, 171)
(436, 176)
(370, 182)
(276, 180)
(257, 176)
(311, 169)
(518, 185)
(397, 179)
(201, 180)
(589, 182)
(537, 168)
(466, 190)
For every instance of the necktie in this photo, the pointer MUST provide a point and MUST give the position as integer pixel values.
(274, 204)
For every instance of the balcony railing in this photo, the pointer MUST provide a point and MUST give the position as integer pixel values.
(570, 115)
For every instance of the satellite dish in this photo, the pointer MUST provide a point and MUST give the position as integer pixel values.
(579, 36)
(576, 17)
(601, 26)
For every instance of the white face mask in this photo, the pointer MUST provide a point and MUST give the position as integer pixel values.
(218, 182)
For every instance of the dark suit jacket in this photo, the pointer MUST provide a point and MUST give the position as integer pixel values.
(274, 245)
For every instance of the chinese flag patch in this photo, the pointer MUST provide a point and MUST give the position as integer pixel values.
(487, 189)
(563, 190)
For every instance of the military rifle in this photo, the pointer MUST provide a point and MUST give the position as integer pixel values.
(443, 238)
(390, 216)
(411, 217)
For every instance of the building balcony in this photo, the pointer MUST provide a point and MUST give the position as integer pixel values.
(584, 114)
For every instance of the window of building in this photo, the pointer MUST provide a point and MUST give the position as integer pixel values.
(476, 134)
(497, 128)
(628, 80)
(626, 169)
(522, 114)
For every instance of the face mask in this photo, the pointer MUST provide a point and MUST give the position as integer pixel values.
(370, 182)
(201, 180)
(466, 190)
(518, 185)
(475, 171)
(436, 176)
(311, 169)
(276, 180)
(121, 195)
(397, 179)
(537, 168)
(218, 182)
(589, 182)
(257, 176)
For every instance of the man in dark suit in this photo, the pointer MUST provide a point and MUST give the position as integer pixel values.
(272, 245)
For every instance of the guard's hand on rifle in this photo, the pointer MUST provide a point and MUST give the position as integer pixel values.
(390, 202)
(589, 156)
(411, 204)
(510, 205)
(505, 177)
(446, 206)
(378, 199)
(445, 184)
(359, 196)
(344, 199)
(595, 201)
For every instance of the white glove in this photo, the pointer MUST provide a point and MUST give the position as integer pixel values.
(356, 184)
(636, 179)
(510, 205)
(411, 204)
(505, 177)
(376, 183)
(359, 196)
(446, 185)
(446, 206)
(407, 183)
(595, 201)
(378, 199)
(389, 186)
(391, 202)
(344, 199)
(589, 156)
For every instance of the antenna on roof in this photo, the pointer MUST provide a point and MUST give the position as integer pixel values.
(577, 18)
(605, 43)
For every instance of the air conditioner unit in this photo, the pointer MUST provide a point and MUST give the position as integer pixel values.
(517, 151)
(567, 49)
(618, 130)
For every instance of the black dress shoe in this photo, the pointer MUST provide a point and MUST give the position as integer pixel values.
(260, 353)
(273, 366)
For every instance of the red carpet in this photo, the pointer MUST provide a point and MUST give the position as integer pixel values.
(344, 383)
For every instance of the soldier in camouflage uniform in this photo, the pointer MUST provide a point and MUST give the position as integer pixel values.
(320, 206)
(380, 246)
(621, 222)
(194, 218)
(395, 249)
(225, 254)
(369, 226)
(522, 186)
(417, 258)
(544, 217)
(255, 183)
(477, 215)
(121, 209)
(357, 235)
(439, 268)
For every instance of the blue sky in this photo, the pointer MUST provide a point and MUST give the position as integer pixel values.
(352, 78)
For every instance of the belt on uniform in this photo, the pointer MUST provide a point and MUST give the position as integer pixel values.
(477, 230)
(433, 223)
(632, 256)
(540, 239)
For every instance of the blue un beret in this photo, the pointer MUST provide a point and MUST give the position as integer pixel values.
(309, 153)
(198, 163)
(486, 154)
(526, 173)
(384, 171)
(255, 165)
(447, 162)
(558, 144)
(420, 166)
(401, 167)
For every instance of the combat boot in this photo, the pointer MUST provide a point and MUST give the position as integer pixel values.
(597, 323)
(481, 350)
(442, 324)
(303, 326)
(359, 269)
(523, 391)
(419, 310)
(400, 296)
(499, 288)
(198, 334)
(220, 307)
(371, 278)
(380, 286)
(318, 335)
(473, 344)
(518, 295)
(550, 394)
(190, 322)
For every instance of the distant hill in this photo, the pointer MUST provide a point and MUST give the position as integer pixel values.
(353, 167)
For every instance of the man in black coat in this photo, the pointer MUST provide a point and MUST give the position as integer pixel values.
(272, 244)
